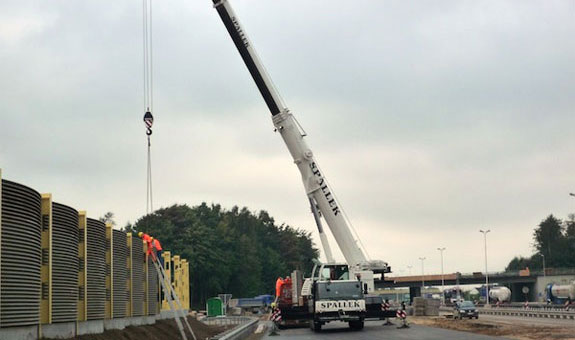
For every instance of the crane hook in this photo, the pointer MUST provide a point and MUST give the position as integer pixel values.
(148, 121)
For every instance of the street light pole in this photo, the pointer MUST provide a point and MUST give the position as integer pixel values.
(422, 275)
(442, 277)
(486, 274)
(409, 267)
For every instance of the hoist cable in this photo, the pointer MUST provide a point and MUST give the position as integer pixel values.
(145, 51)
(148, 95)
(149, 194)
(150, 62)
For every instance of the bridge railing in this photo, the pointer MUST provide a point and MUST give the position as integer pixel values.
(512, 273)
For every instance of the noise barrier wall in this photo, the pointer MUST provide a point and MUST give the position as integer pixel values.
(21, 255)
(138, 278)
(64, 263)
(120, 275)
(152, 288)
(54, 272)
(96, 269)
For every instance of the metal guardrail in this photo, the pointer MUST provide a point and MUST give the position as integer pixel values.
(530, 312)
(535, 305)
(548, 313)
(245, 326)
(226, 320)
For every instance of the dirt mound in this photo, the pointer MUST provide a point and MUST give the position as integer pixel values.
(509, 330)
(161, 330)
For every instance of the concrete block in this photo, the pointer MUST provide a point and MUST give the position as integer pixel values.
(90, 327)
(119, 323)
(19, 333)
(63, 330)
(135, 321)
(149, 320)
(166, 314)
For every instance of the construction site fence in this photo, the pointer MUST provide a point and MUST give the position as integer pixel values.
(57, 265)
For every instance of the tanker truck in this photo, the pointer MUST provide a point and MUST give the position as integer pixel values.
(500, 294)
(560, 294)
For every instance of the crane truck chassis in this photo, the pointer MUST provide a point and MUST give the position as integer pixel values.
(339, 300)
(321, 299)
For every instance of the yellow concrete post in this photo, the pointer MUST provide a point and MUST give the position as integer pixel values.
(177, 284)
(129, 280)
(46, 270)
(109, 272)
(146, 281)
(83, 265)
(185, 284)
(168, 269)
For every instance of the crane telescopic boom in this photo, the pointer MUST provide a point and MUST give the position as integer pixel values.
(322, 235)
(320, 194)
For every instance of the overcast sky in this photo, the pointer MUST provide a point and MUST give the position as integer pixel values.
(431, 120)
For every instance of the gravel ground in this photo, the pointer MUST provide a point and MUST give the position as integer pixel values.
(375, 331)
(503, 328)
(161, 330)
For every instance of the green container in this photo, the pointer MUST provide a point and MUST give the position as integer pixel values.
(214, 306)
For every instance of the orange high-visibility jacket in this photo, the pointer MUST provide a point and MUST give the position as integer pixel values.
(157, 244)
(279, 283)
(148, 240)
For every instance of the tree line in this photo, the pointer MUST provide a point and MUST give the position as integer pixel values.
(554, 241)
(230, 251)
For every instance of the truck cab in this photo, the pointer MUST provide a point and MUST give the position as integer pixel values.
(337, 300)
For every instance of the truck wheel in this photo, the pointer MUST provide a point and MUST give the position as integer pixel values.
(356, 325)
(315, 326)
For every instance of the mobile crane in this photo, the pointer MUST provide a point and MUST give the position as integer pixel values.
(321, 197)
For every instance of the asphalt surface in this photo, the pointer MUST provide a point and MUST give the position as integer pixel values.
(374, 330)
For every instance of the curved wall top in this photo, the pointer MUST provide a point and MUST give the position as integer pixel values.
(96, 270)
(21, 255)
(64, 263)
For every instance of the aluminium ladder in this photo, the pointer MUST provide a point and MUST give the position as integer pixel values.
(172, 297)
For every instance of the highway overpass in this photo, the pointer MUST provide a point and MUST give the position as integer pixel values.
(535, 281)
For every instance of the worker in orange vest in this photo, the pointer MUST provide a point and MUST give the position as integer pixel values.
(279, 284)
(148, 240)
(158, 248)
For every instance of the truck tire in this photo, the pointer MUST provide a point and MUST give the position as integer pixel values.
(357, 325)
(315, 326)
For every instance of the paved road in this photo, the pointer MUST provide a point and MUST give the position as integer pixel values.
(373, 331)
